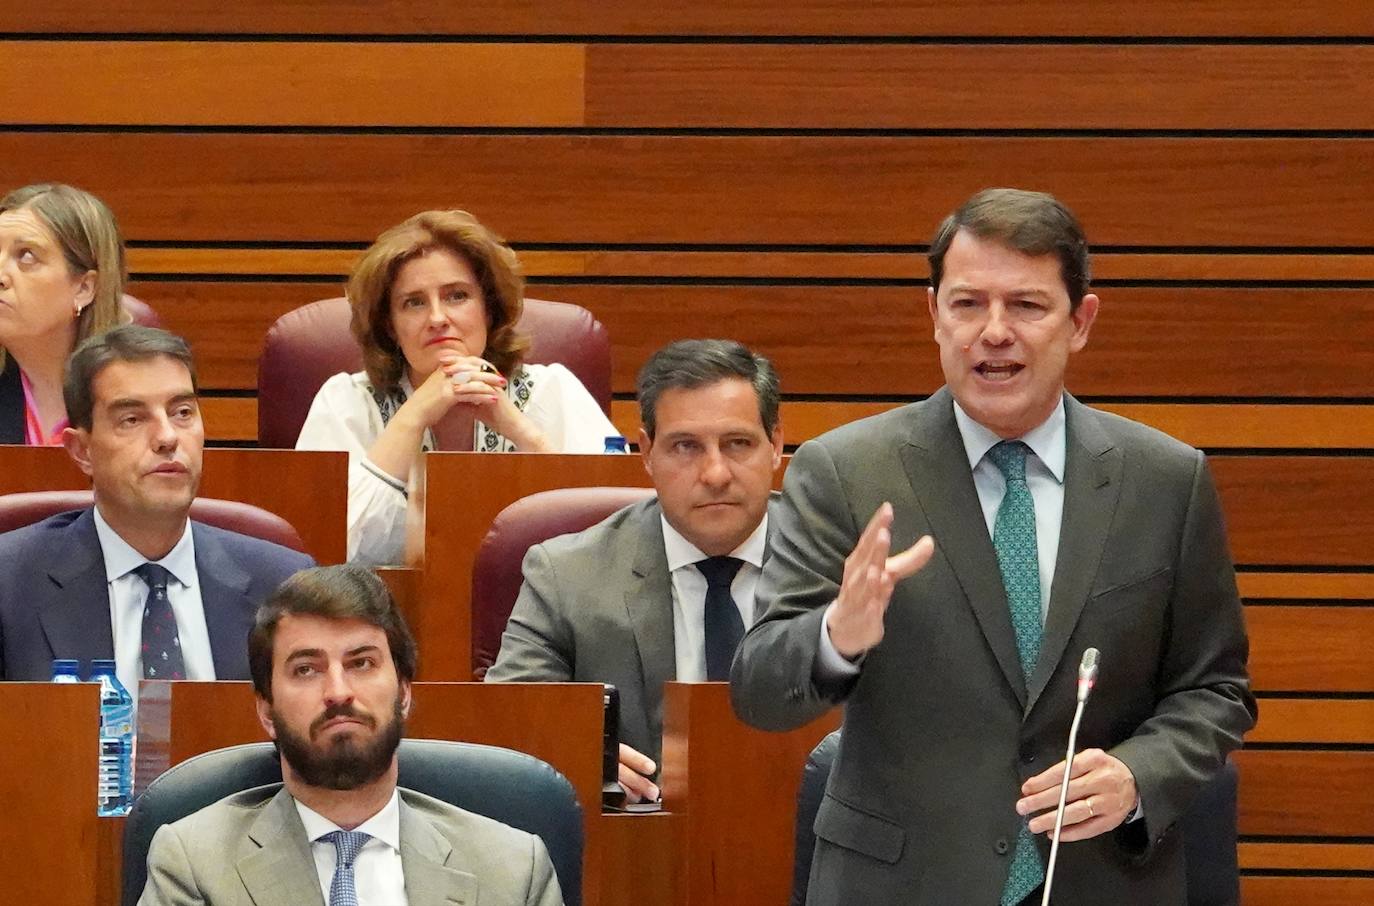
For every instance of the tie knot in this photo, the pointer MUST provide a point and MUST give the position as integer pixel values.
(154, 576)
(1010, 458)
(719, 571)
(347, 844)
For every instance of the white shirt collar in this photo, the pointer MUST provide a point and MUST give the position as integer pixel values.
(384, 826)
(1047, 440)
(682, 552)
(121, 559)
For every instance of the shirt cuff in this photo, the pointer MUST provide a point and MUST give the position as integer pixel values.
(383, 477)
(830, 664)
(1136, 813)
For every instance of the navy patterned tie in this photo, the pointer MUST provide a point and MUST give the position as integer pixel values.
(724, 626)
(1013, 537)
(343, 890)
(161, 647)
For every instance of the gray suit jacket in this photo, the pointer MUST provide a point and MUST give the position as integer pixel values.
(57, 604)
(940, 726)
(596, 607)
(250, 849)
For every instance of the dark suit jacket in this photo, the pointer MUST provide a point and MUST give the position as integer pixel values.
(941, 728)
(597, 607)
(11, 404)
(55, 603)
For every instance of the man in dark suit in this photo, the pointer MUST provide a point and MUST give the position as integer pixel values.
(1030, 528)
(133, 578)
(662, 590)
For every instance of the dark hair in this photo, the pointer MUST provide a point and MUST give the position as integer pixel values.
(1032, 223)
(126, 343)
(493, 264)
(343, 592)
(688, 364)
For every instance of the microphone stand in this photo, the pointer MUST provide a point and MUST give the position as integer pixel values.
(1087, 676)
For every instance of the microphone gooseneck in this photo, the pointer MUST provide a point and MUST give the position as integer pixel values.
(1087, 678)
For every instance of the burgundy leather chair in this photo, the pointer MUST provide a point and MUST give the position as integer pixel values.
(141, 312)
(496, 574)
(19, 510)
(307, 346)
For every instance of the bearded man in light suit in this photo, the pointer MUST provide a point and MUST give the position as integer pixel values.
(1030, 527)
(332, 662)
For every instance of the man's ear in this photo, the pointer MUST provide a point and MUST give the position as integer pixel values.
(264, 708)
(776, 440)
(1083, 318)
(934, 311)
(646, 444)
(77, 443)
(405, 698)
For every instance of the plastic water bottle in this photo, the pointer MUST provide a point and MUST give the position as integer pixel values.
(616, 444)
(115, 787)
(65, 670)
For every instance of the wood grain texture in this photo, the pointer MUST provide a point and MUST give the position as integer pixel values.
(782, 265)
(729, 17)
(875, 340)
(703, 189)
(1307, 586)
(1305, 793)
(1335, 721)
(1312, 649)
(1297, 510)
(999, 86)
(291, 83)
(1285, 891)
(1307, 856)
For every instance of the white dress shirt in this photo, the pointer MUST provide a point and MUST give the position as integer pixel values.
(377, 874)
(129, 594)
(689, 594)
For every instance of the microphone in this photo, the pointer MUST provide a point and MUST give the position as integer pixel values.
(1087, 678)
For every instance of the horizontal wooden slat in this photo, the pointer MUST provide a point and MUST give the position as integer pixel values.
(1307, 856)
(1316, 649)
(229, 418)
(871, 340)
(1285, 891)
(1315, 720)
(1298, 510)
(1307, 586)
(701, 189)
(732, 17)
(1306, 793)
(290, 83)
(764, 265)
(1209, 425)
(999, 86)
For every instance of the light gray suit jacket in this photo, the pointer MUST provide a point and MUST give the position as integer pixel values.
(250, 849)
(597, 607)
(940, 726)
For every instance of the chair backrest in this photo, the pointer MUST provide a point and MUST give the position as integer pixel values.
(496, 573)
(140, 312)
(307, 346)
(19, 510)
(507, 786)
(1209, 831)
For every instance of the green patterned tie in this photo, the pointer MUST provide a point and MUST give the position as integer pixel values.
(1013, 537)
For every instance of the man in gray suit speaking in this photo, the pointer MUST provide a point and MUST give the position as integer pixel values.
(1030, 528)
(662, 590)
(332, 662)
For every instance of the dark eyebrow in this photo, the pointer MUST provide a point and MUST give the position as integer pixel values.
(303, 653)
(362, 649)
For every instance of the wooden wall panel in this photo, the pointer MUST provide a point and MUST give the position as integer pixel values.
(1323, 794)
(1328, 891)
(729, 17)
(707, 189)
(1298, 510)
(999, 86)
(1311, 649)
(876, 339)
(291, 83)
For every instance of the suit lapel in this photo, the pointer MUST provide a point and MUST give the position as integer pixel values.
(75, 615)
(278, 868)
(936, 464)
(1092, 486)
(649, 601)
(425, 853)
(228, 618)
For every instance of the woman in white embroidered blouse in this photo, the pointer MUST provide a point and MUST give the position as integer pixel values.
(435, 302)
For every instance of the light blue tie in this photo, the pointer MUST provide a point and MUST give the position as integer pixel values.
(1013, 537)
(342, 891)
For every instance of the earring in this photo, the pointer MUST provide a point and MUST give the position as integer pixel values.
(77, 314)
